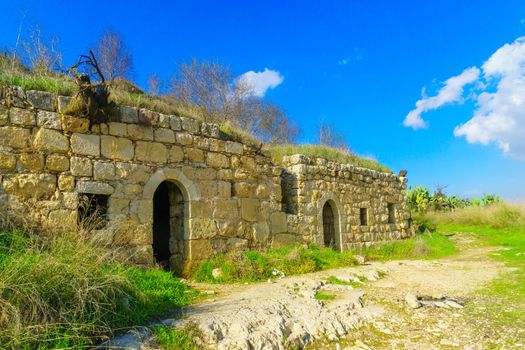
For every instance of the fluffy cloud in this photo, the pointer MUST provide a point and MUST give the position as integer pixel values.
(261, 82)
(499, 116)
(452, 91)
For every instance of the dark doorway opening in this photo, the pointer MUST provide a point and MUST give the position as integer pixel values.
(328, 225)
(168, 225)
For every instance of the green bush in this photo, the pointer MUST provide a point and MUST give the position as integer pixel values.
(66, 293)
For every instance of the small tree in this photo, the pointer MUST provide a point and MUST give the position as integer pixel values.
(114, 58)
(330, 137)
(154, 84)
(41, 54)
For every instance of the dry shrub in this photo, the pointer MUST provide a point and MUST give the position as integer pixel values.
(500, 215)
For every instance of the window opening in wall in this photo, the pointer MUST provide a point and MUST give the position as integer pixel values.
(363, 215)
(391, 213)
(92, 211)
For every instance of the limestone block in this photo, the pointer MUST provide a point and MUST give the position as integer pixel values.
(236, 244)
(283, 240)
(249, 209)
(81, 166)
(225, 209)
(200, 209)
(22, 116)
(242, 189)
(32, 161)
(41, 100)
(66, 183)
(176, 154)
(118, 129)
(184, 138)
(208, 188)
(148, 117)
(278, 222)
(164, 121)
(248, 163)
(205, 174)
(164, 135)
(200, 249)
(262, 191)
(48, 120)
(84, 144)
(140, 132)
(139, 173)
(50, 141)
(93, 187)
(191, 125)
(55, 162)
(143, 208)
(63, 220)
(74, 124)
(151, 152)
(234, 147)
(69, 199)
(175, 123)
(118, 206)
(103, 171)
(224, 189)
(217, 160)
(224, 174)
(7, 160)
(37, 186)
(4, 115)
(116, 148)
(63, 102)
(141, 255)
(261, 232)
(195, 155)
(203, 228)
(128, 114)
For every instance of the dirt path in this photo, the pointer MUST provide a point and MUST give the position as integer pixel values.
(372, 315)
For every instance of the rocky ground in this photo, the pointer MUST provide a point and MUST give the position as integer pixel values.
(391, 305)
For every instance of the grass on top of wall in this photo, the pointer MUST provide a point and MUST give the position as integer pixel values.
(67, 293)
(329, 153)
(53, 84)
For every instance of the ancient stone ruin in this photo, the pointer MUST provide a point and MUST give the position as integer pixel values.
(176, 191)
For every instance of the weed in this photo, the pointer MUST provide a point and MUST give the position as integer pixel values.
(185, 338)
(324, 296)
(328, 153)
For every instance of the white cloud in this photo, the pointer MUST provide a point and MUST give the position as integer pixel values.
(261, 82)
(500, 114)
(451, 92)
(499, 117)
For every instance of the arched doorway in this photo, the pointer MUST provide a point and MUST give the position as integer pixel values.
(168, 226)
(329, 225)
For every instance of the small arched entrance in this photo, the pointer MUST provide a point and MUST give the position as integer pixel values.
(329, 225)
(168, 226)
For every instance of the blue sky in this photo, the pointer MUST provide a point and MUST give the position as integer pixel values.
(360, 65)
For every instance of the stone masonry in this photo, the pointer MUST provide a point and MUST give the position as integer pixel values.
(234, 195)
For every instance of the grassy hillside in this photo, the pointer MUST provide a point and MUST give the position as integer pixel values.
(65, 293)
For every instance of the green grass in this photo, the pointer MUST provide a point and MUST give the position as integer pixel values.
(421, 246)
(324, 296)
(335, 280)
(499, 225)
(329, 153)
(184, 338)
(67, 293)
(56, 85)
(252, 266)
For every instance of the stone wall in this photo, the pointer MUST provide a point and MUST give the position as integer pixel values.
(232, 191)
(309, 184)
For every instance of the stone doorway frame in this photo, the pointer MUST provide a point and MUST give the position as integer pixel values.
(189, 192)
(339, 218)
